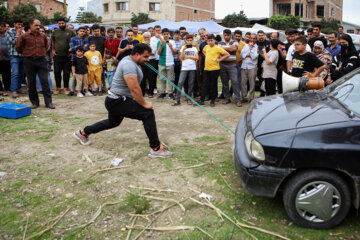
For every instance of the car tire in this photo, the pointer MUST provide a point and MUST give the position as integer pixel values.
(317, 199)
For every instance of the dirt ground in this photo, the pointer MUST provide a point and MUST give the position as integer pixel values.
(48, 172)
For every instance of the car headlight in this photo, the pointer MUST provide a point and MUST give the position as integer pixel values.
(254, 148)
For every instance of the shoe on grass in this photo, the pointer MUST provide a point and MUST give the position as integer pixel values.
(162, 152)
(83, 139)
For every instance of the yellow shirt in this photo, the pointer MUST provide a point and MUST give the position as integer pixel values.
(211, 54)
(140, 38)
(94, 59)
(238, 57)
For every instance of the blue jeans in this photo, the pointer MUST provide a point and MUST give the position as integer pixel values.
(17, 72)
(39, 84)
(110, 76)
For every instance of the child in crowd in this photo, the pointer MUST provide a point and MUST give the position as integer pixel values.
(80, 69)
(95, 67)
(110, 66)
(188, 55)
(211, 73)
(304, 61)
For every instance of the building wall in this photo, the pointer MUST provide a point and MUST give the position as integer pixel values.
(46, 7)
(311, 8)
(195, 10)
(167, 10)
(172, 10)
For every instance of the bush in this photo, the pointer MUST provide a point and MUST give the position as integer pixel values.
(283, 23)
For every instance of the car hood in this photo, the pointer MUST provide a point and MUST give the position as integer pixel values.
(292, 110)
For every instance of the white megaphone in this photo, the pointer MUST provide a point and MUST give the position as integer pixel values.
(309, 82)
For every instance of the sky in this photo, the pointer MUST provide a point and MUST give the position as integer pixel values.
(253, 8)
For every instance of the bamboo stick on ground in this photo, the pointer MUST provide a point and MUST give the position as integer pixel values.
(107, 169)
(194, 166)
(153, 189)
(132, 224)
(36, 235)
(167, 200)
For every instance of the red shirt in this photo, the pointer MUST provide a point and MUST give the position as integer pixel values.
(113, 45)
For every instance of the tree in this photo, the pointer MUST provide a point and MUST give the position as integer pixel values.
(80, 14)
(27, 12)
(89, 17)
(4, 14)
(235, 20)
(284, 22)
(329, 25)
(140, 19)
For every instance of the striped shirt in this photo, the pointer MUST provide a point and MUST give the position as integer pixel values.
(177, 46)
(11, 41)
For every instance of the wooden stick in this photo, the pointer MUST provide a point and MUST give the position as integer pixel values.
(226, 216)
(153, 189)
(36, 235)
(227, 184)
(88, 159)
(169, 228)
(167, 200)
(132, 224)
(156, 216)
(203, 231)
(106, 169)
(27, 221)
(261, 230)
(94, 217)
(195, 166)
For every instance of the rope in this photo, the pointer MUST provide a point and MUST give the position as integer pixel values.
(190, 98)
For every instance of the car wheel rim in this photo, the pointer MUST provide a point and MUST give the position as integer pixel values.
(318, 201)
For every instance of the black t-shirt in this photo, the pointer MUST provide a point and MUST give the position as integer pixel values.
(99, 42)
(313, 40)
(304, 63)
(123, 44)
(265, 45)
(80, 65)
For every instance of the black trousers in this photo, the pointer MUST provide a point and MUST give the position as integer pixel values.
(270, 86)
(153, 75)
(5, 70)
(209, 87)
(62, 64)
(279, 81)
(177, 69)
(118, 109)
(38, 66)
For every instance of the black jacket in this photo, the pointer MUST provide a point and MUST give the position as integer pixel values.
(346, 62)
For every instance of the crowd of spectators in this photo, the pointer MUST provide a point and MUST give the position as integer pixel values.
(84, 61)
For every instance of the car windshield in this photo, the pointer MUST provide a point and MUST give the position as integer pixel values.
(347, 91)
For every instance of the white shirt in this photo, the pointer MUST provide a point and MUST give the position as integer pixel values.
(153, 44)
(188, 64)
(252, 61)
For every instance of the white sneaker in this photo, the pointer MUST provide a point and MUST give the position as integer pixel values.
(80, 95)
(89, 94)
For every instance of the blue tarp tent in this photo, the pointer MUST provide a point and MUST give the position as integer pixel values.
(76, 25)
(191, 27)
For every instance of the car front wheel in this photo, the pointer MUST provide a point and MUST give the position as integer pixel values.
(317, 199)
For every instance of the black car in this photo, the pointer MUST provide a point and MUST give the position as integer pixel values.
(305, 145)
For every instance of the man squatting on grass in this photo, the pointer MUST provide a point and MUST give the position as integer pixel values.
(125, 99)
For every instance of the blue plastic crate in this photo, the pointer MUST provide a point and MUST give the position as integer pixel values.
(13, 110)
